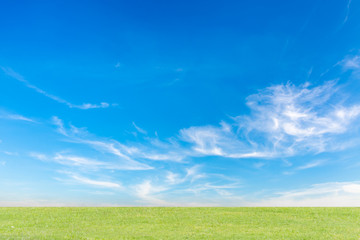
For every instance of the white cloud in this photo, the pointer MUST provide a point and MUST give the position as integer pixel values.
(351, 63)
(155, 150)
(88, 163)
(171, 156)
(285, 120)
(306, 166)
(259, 165)
(90, 105)
(347, 12)
(84, 162)
(122, 152)
(11, 116)
(39, 156)
(78, 161)
(84, 106)
(311, 165)
(351, 188)
(140, 130)
(10, 153)
(192, 174)
(220, 189)
(60, 125)
(218, 141)
(147, 192)
(95, 182)
(160, 190)
(333, 194)
(293, 119)
(206, 139)
(173, 178)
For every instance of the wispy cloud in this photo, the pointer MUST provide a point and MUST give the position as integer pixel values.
(311, 165)
(148, 192)
(292, 119)
(347, 12)
(285, 120)
(192, 174)
(351, 63)
(219, 141)
(162, 150)
(81, 162)
(11, 116)
(11, 73)
(60, 125)
(186, 182)
(334, 194)
(155, 150)
(220, 189)
(38, 156)
(140, 130)
(109, 146)
(89, 105)
(96, 183)
(84, 162)
(10, 153)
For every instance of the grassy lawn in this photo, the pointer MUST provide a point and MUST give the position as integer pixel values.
(179, 223)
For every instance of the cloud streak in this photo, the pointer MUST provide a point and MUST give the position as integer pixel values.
(347, 12)
(154, 151)
(121, 152)
(86, 163)
(351, 63)
(95, 183)
(11, 73)
(293, 119)
(186, 182)
(140, 130)
(148, 192)
(285, 120)
(311, 165)
(332, 194)
(11, 116)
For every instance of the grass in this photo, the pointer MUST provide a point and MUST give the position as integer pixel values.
(179, 223)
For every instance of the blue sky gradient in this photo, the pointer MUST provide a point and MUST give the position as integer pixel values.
(181, 103)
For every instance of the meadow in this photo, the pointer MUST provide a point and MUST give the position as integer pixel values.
(179, 223)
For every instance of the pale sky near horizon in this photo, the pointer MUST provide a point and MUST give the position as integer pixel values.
(180, 103)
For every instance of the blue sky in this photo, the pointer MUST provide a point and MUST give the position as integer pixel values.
(180, 103)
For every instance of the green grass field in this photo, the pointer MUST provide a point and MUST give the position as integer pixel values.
(179, 223)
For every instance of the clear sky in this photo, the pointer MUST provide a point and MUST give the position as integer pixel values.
(180, 103)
